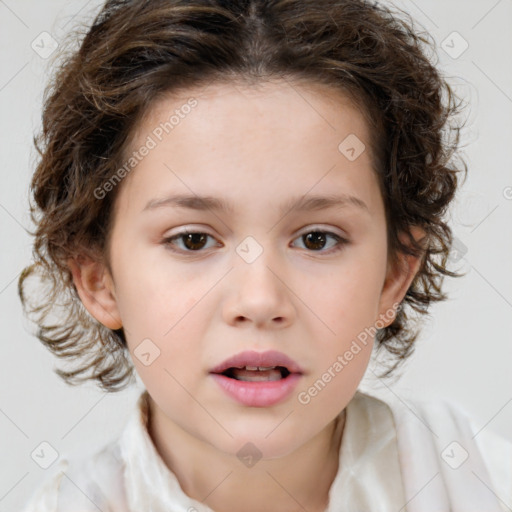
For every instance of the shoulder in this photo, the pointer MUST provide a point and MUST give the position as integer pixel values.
(89, 483)
(497, 454)
(455, 445)
(495, 450)
(93, 482)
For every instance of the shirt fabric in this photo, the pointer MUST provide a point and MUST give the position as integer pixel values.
(395, 456)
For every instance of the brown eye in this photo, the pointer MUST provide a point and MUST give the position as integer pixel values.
(194, 241)
(317, 240)
(191, 241)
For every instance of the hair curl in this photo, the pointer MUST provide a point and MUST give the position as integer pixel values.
(136, 51)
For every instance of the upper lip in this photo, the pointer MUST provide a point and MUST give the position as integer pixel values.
(252, 358)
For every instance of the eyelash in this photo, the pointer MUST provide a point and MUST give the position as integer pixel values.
(342, 242)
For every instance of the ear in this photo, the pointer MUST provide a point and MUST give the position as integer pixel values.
(399, 277)
(95, 288)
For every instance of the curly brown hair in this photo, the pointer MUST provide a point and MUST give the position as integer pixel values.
(137, 51)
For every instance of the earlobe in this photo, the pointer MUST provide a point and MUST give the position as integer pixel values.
(399, 277)
(96, 291)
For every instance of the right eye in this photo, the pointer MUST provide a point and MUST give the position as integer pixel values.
(193, 241)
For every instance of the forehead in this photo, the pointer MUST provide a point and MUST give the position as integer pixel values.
(301, 109)
(281, 134)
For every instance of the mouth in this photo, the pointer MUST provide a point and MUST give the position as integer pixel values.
(257, 373)
(258, 379)
(254, 366)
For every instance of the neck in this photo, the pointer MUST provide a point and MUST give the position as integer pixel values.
(297, 482)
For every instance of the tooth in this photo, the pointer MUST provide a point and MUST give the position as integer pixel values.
(259, 368)
(258, 377)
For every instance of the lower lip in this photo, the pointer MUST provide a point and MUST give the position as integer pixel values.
(258, 394)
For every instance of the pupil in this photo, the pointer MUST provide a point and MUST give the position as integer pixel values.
(315, 237)
(193, 237)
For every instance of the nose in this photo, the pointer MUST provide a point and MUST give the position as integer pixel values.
(260, 294)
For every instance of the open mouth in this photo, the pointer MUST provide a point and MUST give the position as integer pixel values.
(258, 379)
(257, 373)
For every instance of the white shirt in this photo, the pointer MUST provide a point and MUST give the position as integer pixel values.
(394, 456)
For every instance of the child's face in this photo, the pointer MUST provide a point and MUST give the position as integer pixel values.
(251, 282)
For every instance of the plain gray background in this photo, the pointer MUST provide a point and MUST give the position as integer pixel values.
(465, 351)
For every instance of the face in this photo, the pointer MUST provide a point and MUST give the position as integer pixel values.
(281, 297)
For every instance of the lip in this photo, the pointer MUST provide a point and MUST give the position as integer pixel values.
(261, 393)
(258, 394)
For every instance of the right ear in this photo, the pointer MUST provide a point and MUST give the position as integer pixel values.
(95, 288)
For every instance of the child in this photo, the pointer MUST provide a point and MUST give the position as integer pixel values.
(247, 197)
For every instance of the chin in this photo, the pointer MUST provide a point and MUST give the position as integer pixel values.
(268, 443)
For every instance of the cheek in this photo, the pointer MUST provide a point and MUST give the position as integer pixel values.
(329, 389)
(348, 297)
(162, 330)
(166, 344)
(152, 293)
(344, 338)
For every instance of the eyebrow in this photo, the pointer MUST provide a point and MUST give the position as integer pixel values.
(216, 204)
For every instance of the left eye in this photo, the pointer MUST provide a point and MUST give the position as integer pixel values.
(195, 241)
(317, 238)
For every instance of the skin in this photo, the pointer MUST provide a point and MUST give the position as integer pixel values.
(255, 147)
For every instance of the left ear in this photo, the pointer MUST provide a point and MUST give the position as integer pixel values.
(399, 277)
